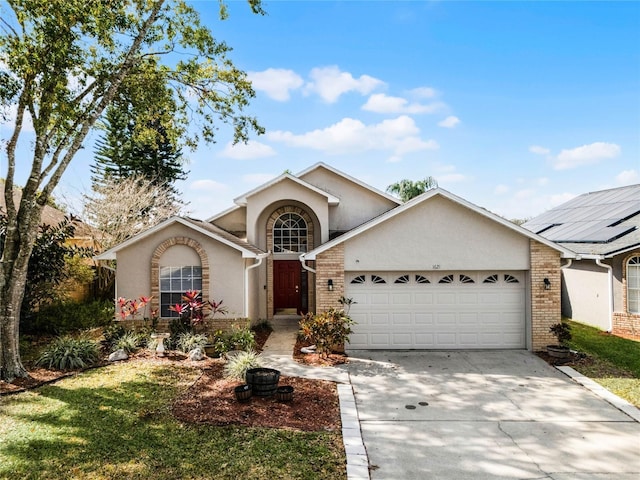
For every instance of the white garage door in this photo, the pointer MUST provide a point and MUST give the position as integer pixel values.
(448, 310)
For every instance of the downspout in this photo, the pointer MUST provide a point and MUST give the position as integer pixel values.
(610, 278)
(304, 265)
(260, 257)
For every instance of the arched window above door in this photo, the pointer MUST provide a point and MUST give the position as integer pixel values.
(290, 234)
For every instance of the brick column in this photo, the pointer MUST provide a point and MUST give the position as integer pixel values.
(545, 304)
(329, 265)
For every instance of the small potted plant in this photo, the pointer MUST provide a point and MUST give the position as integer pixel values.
(562, 332)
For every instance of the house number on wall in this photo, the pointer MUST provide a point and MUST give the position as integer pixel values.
(436, 266)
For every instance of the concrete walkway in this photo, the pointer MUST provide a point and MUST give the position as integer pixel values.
(278, 353)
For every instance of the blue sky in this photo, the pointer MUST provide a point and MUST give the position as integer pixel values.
(514, 106)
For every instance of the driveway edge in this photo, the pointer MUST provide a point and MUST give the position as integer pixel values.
(602, 392)
(357, 459)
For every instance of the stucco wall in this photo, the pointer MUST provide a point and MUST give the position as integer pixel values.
(226, 266)
(234, 221)
(357, 204)
(258, 204)
(438, 234)
(586, 294)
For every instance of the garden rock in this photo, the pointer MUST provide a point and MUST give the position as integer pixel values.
(196, 354)
(118, 355)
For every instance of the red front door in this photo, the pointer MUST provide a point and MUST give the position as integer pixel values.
(286, 285)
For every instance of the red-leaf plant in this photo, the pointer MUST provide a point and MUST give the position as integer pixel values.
(194, 310)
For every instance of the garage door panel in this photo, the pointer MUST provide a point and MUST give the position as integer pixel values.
(401, 319)
(421, 298)
(431, 315)
(422, 318)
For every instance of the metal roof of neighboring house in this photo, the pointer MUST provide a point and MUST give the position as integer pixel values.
(603, 223)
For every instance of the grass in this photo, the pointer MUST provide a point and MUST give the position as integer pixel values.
(616, 361)
(115, 422)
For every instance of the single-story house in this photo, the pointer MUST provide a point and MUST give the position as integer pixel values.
(436, 272)
(601, 286)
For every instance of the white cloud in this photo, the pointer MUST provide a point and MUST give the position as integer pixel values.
(586, 155)
(501, 189)
(277, 83)
(248, 151)
(538, 150)
(628, 177)
(208, 185)
(258, 178)
(560, 198)
(449, 122)
(424, 92)
(381, 103)
(399, 136)
(330, 83)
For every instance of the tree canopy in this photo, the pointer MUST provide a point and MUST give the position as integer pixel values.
(408, 189)
(62, 63)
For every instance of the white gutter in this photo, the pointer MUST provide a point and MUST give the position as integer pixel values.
(610, 278)
(304, 265)
(260, 257)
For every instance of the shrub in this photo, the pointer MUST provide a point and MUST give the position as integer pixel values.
(112, 333)
(562, 332)
(242, 339)
(187, 341)
(130, 342)
(238, 364)
(326, 330)
(69, 316)
(68, 353)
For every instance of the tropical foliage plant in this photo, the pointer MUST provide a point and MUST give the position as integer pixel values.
(68, 353)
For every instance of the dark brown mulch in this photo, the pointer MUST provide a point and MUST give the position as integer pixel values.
(317, 359)
(211, 400)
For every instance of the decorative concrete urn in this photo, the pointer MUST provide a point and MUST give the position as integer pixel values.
(160, 338)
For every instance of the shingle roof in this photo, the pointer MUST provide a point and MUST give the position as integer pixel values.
(595, 223)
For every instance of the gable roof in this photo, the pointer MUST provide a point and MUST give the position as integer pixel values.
(242, 199)
(248, 250)
(351, 179)
(566, 253)
(604, 223)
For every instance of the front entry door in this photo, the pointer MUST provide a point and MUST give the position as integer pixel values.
(287, 290)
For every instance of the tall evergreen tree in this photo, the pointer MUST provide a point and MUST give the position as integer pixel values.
(137, 141)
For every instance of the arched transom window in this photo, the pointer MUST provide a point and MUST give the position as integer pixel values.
(633, 284)
(290, 234)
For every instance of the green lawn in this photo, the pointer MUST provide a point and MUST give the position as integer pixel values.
(616, 361)
(115, 422)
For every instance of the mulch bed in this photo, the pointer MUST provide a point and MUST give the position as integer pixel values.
(211, 399)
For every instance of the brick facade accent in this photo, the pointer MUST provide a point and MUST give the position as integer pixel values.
(625, 323)
(310, 246)
(209, 326)
(329, 265)
(155, 267)
(545, 304)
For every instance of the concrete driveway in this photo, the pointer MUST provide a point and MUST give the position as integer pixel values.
(486, 415)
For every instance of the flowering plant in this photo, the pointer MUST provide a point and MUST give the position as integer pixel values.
(131, 307)
(194, 310)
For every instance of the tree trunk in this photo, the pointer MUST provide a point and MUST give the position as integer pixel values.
(14, 265)
(10, 363)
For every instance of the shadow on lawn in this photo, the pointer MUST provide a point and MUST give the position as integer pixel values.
(111, 426)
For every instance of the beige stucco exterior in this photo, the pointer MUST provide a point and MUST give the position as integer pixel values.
(585, 294)
(438, 235)
(226, 266)
(350, 227)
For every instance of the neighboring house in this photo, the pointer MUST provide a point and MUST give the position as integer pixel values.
(434, 273)
(601, 287)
